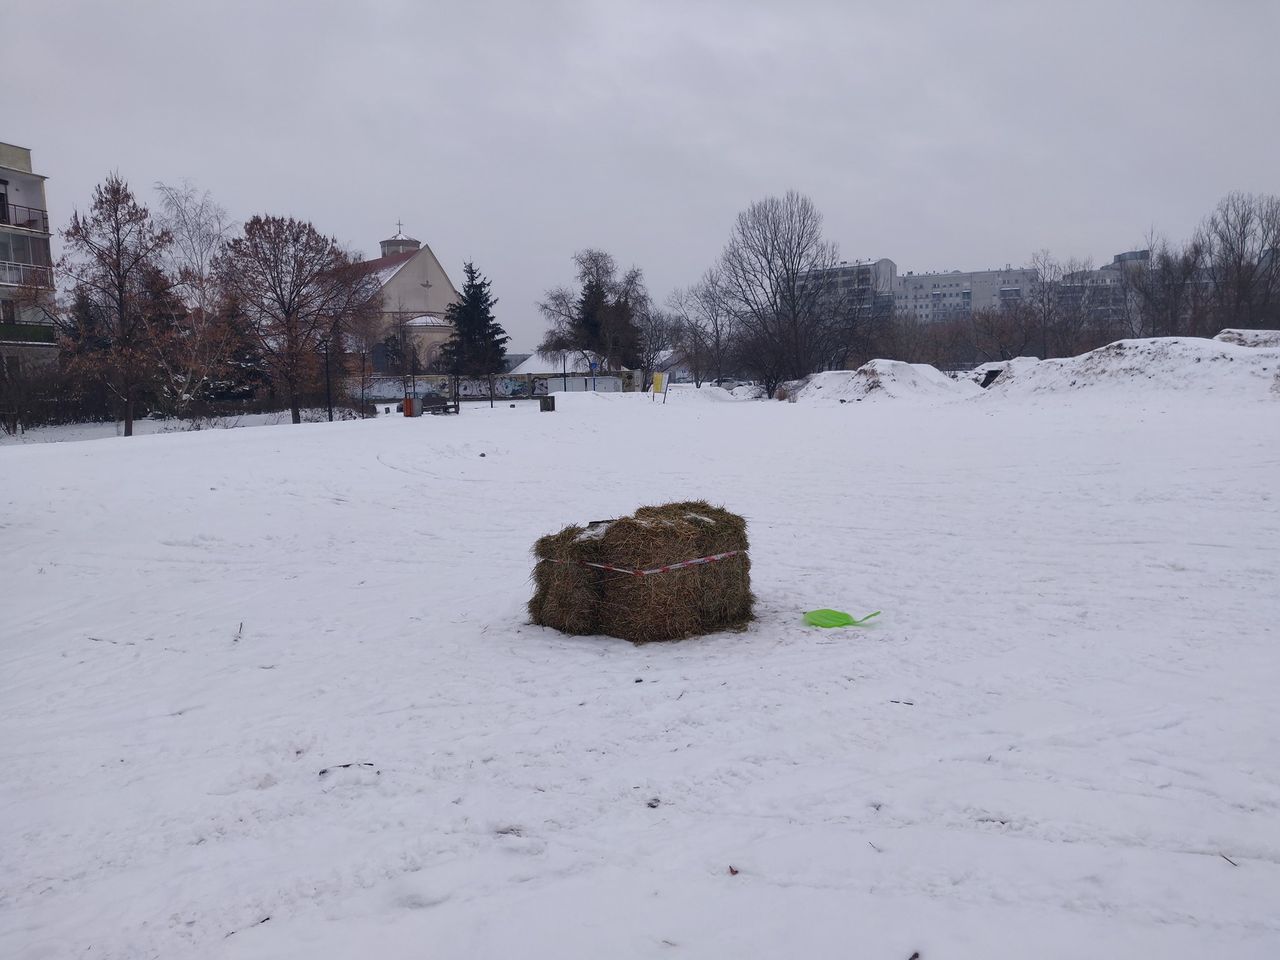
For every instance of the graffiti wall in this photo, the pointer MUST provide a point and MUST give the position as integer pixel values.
(381, 389)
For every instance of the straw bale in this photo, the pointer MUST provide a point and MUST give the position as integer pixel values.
(579, 599)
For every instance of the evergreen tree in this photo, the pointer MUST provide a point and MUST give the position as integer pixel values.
(477, 346)
(599, 321)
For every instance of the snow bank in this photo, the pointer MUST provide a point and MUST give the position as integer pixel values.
(1250, 338)
(688, 393)
(882, 379)
(1184, 364)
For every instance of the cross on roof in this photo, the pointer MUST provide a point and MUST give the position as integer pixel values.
(399, 227)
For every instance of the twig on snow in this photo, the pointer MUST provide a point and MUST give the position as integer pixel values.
(251, 926)
(346, 766)
(1228, 859)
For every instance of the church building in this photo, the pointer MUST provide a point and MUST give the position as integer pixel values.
(416, 291)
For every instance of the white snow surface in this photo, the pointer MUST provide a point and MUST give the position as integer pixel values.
(287, 674)
(1129, 368)
(883, 379)
(1251, 338)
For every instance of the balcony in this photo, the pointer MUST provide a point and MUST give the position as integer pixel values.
(27, 218)
(27, 333)
(25, 275)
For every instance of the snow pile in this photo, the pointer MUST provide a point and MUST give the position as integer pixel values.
(1184, 364)
(688, 393)
(889, 379)
(1250, 338)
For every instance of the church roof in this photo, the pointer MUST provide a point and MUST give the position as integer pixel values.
(388, 267)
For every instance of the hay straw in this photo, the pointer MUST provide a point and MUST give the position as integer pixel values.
(681, 603)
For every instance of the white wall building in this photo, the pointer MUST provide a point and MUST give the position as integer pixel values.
(938, 297)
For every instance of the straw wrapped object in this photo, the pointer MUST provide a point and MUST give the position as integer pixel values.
(572, 596)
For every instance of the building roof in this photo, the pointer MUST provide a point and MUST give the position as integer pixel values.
(388, 267)
(400, 238)
(555, 363)
(426, 320)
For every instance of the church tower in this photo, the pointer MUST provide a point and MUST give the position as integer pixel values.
(399, 243)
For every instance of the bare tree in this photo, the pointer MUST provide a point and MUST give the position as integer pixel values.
(1044, 295)
(775, 280)
(657, 336)
(713, 320)
(113, 261)
(197, 350)
(1169, 290)
(1241, 242)
(363, 332)
(293, 283)
(1002, 333)
(688, 333)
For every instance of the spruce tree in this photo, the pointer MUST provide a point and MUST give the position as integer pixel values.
(477, 345)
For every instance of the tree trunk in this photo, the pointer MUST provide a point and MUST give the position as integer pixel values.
(294, 412)
(128, 411)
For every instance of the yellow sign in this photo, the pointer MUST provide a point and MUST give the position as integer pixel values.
(659, 382)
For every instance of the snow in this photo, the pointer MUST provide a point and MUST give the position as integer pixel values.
(1130, 368)
(689, 393)
(1047, 746)
(386, 273)
(74, 432)
(882, 379)
(548, 363)
(1251, 338)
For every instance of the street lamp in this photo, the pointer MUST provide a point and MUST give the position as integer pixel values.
(328, 393)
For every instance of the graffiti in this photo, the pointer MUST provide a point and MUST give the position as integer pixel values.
(383, 388)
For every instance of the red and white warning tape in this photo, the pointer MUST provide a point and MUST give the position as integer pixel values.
(697, 561)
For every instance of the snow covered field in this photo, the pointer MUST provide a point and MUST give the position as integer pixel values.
(271, 693)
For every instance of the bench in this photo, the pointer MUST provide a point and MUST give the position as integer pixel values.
(438, 407)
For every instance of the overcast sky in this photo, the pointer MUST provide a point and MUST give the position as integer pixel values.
(942, 135)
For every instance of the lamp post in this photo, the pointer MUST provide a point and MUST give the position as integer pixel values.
(328, 393)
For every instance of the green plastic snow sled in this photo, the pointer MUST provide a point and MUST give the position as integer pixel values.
(835, 618)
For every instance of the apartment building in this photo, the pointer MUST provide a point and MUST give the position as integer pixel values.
(1104, 294)
(938, 297)
(866, 286)
(26, 263)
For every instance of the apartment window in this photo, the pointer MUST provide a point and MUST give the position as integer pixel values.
(8, 311)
